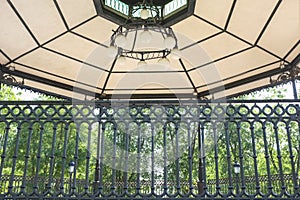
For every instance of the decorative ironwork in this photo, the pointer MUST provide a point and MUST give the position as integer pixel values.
(8, 78)
(42, 183)
(147, 150)
(142, 55)
(140, 18)
(292, 74)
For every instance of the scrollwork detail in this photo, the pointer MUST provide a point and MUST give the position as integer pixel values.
(8, 78)
(291, 74)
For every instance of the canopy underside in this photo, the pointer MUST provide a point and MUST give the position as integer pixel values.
(228, 47)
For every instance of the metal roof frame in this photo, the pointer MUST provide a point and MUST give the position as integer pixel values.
(105, 89)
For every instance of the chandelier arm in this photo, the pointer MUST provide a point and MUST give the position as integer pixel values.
(174, 36)
(145, 2)
(134, 39)
(163, 32)
(156, 10)
(126, 31)
(172, 33)
(112, 37)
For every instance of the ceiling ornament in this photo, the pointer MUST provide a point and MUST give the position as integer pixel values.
(143, 24)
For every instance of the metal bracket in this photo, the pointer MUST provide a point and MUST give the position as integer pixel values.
(8, 78)
(286, 76)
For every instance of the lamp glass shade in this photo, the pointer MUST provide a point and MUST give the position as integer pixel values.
(112, 51)
(144, 13)
(121, 40)
(175, 53)
(121, 60)
(236, 168)
(146, 36)
(71, 167)
(169, 42)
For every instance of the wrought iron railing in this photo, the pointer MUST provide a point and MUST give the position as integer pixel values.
(153, 149)
(159, 184)
(251, 185)
(211, 184)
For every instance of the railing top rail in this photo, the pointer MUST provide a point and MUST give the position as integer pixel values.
(148, 102)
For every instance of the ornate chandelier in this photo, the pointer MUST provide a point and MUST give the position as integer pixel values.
(143, 25)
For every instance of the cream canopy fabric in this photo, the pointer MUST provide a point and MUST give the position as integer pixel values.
(228, 47)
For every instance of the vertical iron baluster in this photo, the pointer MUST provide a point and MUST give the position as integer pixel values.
(101, 159)
(4, 148)
(202, 159)
(229, 162)
(23, 186)
(190, 159)
(88, 157)
(126, 159)
(257, 187)
(97, 166)
(241, 158)
(177, 157)
(121, 145)
(297, 187)
(52, 158)
(76, 155)
(165, 159)
(216, 157)
(283, 187)
(295, 181)
(113, 178)
(200, 169)
(64, 157)
(152, 160)
(14, 158)
(38, 158)
(267, 157)
(138, 163)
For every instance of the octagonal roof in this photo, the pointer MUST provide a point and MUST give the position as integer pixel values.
(165, 13)
(227, 47)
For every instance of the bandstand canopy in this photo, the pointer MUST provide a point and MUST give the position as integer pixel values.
(227, 47)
